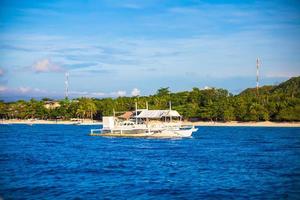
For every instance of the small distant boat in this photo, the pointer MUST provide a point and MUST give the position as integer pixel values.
(146, 123)
(86, 123)
(5, 123)
(30, 122)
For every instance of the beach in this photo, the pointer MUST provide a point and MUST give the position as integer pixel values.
(200, 123)
(67, 122)
(249, 124)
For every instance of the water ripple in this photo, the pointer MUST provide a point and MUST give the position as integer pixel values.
(63, 162)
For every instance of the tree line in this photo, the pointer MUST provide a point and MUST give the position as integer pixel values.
(274, 103)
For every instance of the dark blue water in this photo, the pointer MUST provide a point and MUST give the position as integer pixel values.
(63, 162)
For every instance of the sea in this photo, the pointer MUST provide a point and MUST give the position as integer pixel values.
(64, 162)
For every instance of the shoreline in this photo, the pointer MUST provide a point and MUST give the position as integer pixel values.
(247, 124)
(65, 122)
(95, 122)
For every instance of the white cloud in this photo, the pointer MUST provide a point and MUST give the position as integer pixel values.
(207, 88)
(3, 88)
(184, 10)
(39, 90)
(87, 94)
(120, 93)
(24, 89)
(131, 6)
(98, 94)
(1, 72)
(24, 92)
(80, 93)
(281, 74)
(46, 65)
(135, 92)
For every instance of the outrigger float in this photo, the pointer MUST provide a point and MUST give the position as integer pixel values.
(145, 123)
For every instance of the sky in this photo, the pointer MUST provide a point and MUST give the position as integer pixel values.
(114, 48)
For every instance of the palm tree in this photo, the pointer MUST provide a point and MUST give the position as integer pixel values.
(86, 108)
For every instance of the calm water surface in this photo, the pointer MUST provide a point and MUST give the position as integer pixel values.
(63, 162)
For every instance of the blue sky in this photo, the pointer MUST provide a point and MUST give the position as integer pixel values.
(125, 47)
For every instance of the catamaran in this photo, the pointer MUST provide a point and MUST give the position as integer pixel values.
(145, 123)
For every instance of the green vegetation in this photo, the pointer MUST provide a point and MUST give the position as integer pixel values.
(275, 103)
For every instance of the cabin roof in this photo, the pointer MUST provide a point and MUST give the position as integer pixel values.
(156, 114)
(126, 115)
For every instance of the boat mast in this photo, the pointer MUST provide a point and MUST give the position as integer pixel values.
(170, 108)
(147, 119)
(135, 112)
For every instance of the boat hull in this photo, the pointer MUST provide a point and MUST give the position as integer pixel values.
(157, 134)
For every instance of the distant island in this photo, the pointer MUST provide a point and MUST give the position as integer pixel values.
(278, 103)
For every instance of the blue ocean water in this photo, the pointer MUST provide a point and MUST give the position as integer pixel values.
(63, 162)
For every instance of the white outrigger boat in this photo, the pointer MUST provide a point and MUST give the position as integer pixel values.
(146, 123)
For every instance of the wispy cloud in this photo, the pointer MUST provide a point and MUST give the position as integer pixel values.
(184, 10)
(119, 93)
(132, 6)
(78, 65)
(23, 90)
(8, 47)
(86, 94)
(46, 65)
(94, 69)
(282, 74)
(29, 92)
(2, 72)
(3, 88)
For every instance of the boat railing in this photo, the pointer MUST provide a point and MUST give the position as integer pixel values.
(187, 127)
(95, 131)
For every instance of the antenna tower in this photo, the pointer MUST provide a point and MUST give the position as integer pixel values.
(67, 85)
(257, 74)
